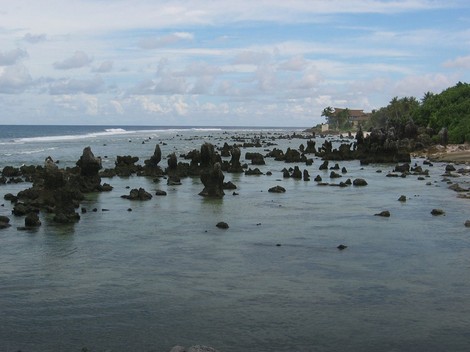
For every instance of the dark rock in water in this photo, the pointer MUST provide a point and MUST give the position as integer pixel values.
(234, 164)
(173, 181)
(334, 175)
(285, 173)
(342, 247)
(222, 225)
(21, 209)
(32, 220)
(213, 181)
(306, 176)
(4, 219)
(384, 213)
(196, 348)
(10, 197)
(348, 182)
(172, 163)
(402, 168)
(359, 182)
(317, 178)
(66, 218)
(436, 212)
(384, 146)
(310, 147)
(208, 156)
(277, 189)
(10, 171)
(324, 166)
(225, 150)
(344, 171)
(467, 223)
(138, 194)
(402, 198)
(89, 164)
(159, 192)
(293, 156)
(336, 167)
(457, 188)
(151, 167)
(4, 222)
(251, 172)
(106, 187)
(296, 173)
(450, 167)
(125, 165)
(89, 179)
(229, 185)
(256, 158)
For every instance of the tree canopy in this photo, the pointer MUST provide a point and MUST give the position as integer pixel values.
(449, 109)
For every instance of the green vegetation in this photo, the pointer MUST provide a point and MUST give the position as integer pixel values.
(449, 109)
(339, 121)
(447, 114)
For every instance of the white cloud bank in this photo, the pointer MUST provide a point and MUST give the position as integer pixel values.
(214, 63)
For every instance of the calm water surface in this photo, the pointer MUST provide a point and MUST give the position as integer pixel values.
(163, 274)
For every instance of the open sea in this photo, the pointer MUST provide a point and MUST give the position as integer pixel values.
(163, 274)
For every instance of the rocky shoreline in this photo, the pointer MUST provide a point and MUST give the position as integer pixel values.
(59, 192)
(454, 153)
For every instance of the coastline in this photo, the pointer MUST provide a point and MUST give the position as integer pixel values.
(452, 153)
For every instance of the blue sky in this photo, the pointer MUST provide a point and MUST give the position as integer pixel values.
(204, 62)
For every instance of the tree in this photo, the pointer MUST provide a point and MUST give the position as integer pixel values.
(328, 113)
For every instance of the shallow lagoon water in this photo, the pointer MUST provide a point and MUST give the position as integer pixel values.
(163, 274)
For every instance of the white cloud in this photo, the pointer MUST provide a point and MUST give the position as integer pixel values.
(34, 38)
(180, 106)
(418, 85)
(75, 86)
(296, 63)
(14, 79)
(12, 57)
(77, 60)
(459, 62)
(264, 60)
(203, 85)
(147, 104)
(266, 77)
(106, 66)
(117, 107)
(248, 57)
(159, 42)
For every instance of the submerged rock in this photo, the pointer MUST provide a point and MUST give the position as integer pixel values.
(4, 222)
(196, 348)
(32, 220)
(222, 225)
(138, 194)
(384, 213)
(359, 182)
(436, 212)
(277, 189)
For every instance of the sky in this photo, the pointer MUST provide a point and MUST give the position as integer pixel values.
(218, 63)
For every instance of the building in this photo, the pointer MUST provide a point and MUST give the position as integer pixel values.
(355, 117)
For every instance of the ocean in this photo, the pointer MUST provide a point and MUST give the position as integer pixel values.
(163, 274)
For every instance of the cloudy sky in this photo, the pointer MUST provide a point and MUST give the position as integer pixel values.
(207, 62)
